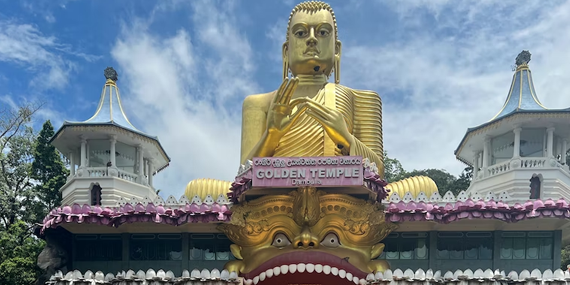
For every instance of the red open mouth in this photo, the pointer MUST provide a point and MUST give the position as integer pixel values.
(306, 267)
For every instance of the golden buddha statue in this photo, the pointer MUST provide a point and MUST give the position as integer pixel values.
(307, 115)
(309, 229)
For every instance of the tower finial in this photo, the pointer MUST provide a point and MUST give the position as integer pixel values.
(110, 73)
(523, 58)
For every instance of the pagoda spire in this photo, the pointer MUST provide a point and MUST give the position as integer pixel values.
(522, 95)
(110, 109)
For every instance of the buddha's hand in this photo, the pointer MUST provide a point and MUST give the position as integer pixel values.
(332, 121)
(280, 117)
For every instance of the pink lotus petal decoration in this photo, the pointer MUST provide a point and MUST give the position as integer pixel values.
(394, 212)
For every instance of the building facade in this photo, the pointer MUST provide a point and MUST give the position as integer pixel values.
(508, 226)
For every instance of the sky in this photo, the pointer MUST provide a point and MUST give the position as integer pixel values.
(440, 66)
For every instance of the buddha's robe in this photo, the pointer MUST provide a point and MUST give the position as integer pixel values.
(362, 111)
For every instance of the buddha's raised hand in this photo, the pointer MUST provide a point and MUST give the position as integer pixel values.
(331, 120)
(279, 116)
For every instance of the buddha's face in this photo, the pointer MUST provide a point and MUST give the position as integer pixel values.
(336, 241)
(312, 45)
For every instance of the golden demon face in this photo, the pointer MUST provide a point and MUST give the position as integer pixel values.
(326, 238)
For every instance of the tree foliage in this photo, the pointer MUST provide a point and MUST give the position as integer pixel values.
(18, 253)
(48, 169)
(565, 258)
(21, 205)
(394, 171)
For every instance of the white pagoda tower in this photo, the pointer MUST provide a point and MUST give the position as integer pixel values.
(522, 150)
(109, 158)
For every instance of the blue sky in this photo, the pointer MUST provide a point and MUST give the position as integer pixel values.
(185, 66)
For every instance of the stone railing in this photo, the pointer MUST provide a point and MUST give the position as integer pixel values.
(97, 171)
(127, 176)
(174, 203)
(522, 163)
(533, 162)
(205, 276)
(222, 199)
(388, 277)
(468, 277)
(449, 197)
(498, 168)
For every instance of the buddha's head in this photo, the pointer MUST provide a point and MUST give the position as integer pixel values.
(312, 46)
(307, 230)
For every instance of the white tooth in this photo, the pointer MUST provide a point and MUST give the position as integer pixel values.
(292, 268)
(301, 267)
(255, 279)
(341, 274)
(362, 281)
(370, 277)
(349, 276)
(269, 273)
(310, 268)
(334, 271)
(284, 269)
(248, 282)
(326, 269)
(262, 276)
(276, 270)
(318, 268)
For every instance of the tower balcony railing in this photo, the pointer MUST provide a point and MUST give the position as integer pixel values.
(538, 163)
(102, 172)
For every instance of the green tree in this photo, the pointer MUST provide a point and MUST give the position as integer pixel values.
(18, 199)
(48, 169)
(394, 171)
(392, 168)
(565, 258)
(463, 181)
(18, 253)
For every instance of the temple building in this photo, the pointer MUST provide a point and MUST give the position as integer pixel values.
(321, 218)
(524, 144)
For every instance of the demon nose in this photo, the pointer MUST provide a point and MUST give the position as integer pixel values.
(306, 240)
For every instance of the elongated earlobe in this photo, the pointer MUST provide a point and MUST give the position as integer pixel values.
(337, 63)
(285, 61)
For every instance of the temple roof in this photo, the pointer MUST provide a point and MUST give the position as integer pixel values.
(110, 109)
(435, 209)
(522, 95)
(522, 101)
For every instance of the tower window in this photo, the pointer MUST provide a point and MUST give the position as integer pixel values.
(96, 195)
(535, 187)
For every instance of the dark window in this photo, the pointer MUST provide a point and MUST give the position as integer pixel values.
(98, 247)
(527, 245)
(210, 247)
(535, 187)
(405, 246)
(96, 195)
(464, 245)
(155, 247)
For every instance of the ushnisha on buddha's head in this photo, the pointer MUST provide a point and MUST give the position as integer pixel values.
(312, 46)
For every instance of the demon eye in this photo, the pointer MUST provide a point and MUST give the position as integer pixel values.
(280, 240)
(331, 240)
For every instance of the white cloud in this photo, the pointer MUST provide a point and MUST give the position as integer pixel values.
(449, 75)
(456, 74)
(180, 91)
(25, 45)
